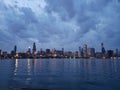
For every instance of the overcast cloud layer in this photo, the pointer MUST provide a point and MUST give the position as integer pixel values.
(59, 23)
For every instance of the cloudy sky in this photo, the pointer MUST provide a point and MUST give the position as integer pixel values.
(59, 24)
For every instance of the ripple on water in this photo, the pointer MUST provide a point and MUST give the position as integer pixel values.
(60, 74)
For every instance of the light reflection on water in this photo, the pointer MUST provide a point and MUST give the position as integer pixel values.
(59, 74)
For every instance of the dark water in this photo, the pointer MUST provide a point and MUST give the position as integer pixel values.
(59, 74)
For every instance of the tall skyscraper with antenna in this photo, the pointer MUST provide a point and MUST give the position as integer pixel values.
(102, 49)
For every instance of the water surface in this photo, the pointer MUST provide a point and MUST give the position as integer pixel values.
(59, 74)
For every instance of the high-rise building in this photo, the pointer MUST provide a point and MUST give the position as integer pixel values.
(62, 51)
(0, 53)
(85, 50)
(110, 53)
(4, 54)
(79, 49)
(41, 51)
(116, 52)
(15, 50)
(54, 51)
(48, 51)
(102, 49)
(91, 52)
(29, 50)
(80, 52)
(34, 48)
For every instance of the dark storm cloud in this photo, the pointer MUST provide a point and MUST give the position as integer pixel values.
(62, 23)
(64, 7)
(14, 24)
(101, 16)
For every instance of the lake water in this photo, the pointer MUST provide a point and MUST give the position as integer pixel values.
(59, 74)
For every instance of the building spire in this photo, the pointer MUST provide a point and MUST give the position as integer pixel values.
(102, 48)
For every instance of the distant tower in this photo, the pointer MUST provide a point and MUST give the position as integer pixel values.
(34, 48)
(29, 50)
(15, 50)
(80, 52)
(54, 50)
(79, 49)
(41, 51)
(85, 50)
(62, 51)
(102, 49)
(117, 51)
(91, 52)
(0, 52)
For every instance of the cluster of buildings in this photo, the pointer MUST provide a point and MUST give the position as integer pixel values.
(83, 52)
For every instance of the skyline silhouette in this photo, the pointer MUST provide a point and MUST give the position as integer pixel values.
(82, 52)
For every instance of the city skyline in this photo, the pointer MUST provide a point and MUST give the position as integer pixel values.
(63, 24)
(33, 48)
(82, 52)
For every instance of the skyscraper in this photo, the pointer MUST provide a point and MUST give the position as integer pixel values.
(91, 52)
(41, 51)
(15, 49)
(0, 52)
(29, 50)
(102, 49)
(85, 50)
(116, 52)
(62, 51)
(80, 52)
(110, 53)
(34, 48)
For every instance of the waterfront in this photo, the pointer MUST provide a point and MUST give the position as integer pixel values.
(59, 74)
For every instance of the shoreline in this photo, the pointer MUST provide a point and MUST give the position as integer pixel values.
(113, 58)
